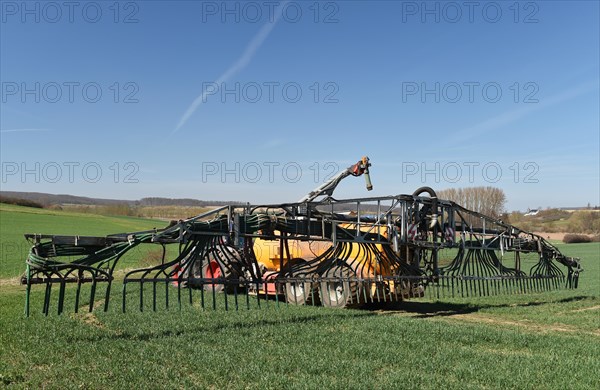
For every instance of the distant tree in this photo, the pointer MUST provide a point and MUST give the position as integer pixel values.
(489, 201)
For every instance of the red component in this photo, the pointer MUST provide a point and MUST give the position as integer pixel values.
(270, 287)
(213, 271)
(178, 270)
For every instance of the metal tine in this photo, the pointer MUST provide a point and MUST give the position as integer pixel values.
(498, 284)
(141, 295)
(61, 296)
(179, 294)
(235, 295)
(247, 295)
(154, 295)
(258, 293)
(452, 286)
(46, 306)
(376, 294)
(515, 283)
(470, 291)
(304, 297)
(366, 299)
(92, 293)
(107, 295)
(265, 288)
(528, 283)
(124, 295)
(303, 292)
(77, 294)
(28, 293)
(481, 275)
(167, 292)
(430, 294)
(445, 289)
(214, 295)
(443, 285)
(328, 284)
(477, 264)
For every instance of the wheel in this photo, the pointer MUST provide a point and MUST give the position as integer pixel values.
(299, 292)
(221, 265)
(214, 269)
(409, 289)
(340, 292)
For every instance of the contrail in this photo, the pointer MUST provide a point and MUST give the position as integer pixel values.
(237, 66)
(508, 117)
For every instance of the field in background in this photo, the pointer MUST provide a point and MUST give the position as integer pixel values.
(540, 340)
(15, 221)
(559, 221)
(156, 212)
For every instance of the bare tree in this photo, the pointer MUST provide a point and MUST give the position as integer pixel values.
(485, 200)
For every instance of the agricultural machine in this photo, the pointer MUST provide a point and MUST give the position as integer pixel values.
(316, 251)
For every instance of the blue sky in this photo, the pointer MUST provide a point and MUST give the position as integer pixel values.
(261, 101)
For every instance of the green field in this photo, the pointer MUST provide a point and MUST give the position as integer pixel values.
(15, 221)
(540, 340)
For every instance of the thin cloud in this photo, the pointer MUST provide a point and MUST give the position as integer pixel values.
(23, 130)
(505, 118)
(237, 66)
(272, 144)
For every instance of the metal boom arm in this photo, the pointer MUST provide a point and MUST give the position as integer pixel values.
(361, 167)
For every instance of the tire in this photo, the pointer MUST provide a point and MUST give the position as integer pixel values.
(407, 289)
(217, 265)
(214, 269)
(299, 292)
(342, 293)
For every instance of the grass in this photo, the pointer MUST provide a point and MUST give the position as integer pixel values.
(545, 340)
(15, 221)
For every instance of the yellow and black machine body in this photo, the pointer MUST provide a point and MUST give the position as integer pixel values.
(316, 251)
